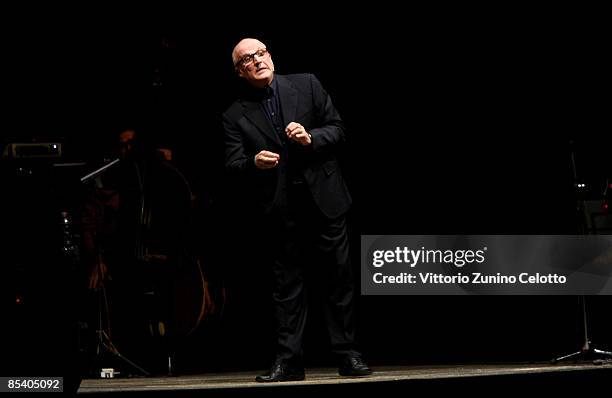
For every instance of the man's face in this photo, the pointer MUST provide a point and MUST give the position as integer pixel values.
(126, 142)
(253, 62)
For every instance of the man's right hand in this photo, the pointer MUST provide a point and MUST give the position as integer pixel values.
(266, 160)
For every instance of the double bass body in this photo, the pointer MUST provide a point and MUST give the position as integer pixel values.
(143, 254)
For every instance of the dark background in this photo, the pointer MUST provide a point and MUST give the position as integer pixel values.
(455, 125)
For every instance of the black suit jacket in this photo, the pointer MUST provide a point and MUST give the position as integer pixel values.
(248, 131)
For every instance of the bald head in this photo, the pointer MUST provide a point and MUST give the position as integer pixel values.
(253, 62)
(242, 47)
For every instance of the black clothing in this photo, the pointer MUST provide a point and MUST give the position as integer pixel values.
(303, 199)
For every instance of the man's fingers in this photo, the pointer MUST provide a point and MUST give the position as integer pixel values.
(266, 159)
(292, 126)
(296, 132)
(267, 165)
(269, 153)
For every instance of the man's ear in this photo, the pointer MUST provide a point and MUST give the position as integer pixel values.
(240, 72)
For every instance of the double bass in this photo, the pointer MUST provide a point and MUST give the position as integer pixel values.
(148, 239)
(177, 292)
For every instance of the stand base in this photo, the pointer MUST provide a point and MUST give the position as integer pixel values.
(590, 354)
(105, 345)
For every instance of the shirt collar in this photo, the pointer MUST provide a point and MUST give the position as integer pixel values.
(259, 94)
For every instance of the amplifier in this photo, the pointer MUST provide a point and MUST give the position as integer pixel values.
(29, 150)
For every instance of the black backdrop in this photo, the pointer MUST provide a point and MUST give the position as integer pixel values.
(455, 126)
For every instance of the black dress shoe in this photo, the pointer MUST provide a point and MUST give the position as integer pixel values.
(282, 371)
(354, 366)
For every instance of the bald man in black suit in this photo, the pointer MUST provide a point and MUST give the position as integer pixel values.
(282, 137)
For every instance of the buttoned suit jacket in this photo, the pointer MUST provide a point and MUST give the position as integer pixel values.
(248, 131)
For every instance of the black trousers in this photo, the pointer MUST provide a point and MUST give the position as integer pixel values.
(305, 240)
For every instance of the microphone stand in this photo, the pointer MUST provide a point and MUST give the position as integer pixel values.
(587, 352)
(98, 172)
(104, 341)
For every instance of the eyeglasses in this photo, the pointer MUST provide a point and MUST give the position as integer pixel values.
(246, 60)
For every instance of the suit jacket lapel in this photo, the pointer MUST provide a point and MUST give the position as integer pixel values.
(255, 114)
(288, 99)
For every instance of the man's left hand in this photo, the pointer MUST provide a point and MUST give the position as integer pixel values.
(298, 133)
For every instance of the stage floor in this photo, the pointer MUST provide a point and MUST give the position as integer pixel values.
(327, 376)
